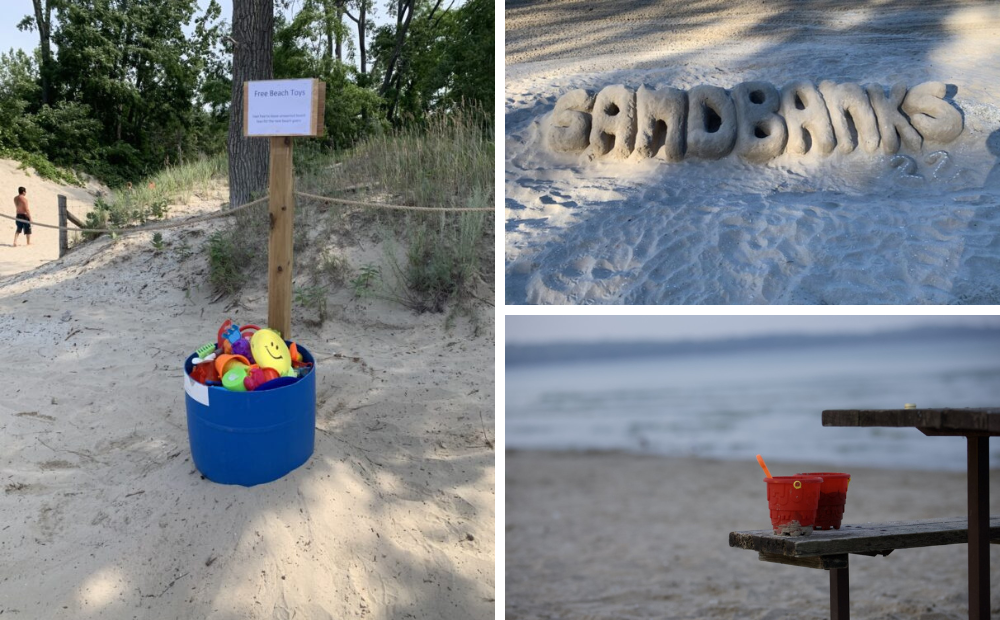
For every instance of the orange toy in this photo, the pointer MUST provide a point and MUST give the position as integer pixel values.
(225, 361)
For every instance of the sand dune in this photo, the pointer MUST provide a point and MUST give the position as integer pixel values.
(105, 516)
(43, 202)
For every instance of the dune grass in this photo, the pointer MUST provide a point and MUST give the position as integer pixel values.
(150, 198)
(431, 261)
(431, 258)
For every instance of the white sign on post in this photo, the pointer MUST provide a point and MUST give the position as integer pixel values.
(283, 108)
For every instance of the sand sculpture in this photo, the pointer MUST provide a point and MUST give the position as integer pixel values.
(755, 120)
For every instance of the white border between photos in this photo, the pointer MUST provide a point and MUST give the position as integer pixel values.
(498, 329)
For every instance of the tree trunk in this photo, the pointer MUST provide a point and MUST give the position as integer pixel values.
(403, 17)
(253, 50)
(362, 21)
(339, 21)
(362, 26)
(43, 19)
(328, 30)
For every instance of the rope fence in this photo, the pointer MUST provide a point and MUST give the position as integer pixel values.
(164, 226)
(235, 210)
(381, 205)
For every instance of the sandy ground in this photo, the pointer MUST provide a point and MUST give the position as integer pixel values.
(854, 228)
(103, 514)
(610, 535)
(43, 202)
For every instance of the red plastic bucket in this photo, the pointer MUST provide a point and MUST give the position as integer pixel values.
(793, 501)
(832, 497)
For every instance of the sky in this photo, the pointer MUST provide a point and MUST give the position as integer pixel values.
(539, 329)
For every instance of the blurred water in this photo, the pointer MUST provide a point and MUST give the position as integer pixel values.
(736, 405)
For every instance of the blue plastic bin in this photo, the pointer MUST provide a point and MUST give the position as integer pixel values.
(250, 438)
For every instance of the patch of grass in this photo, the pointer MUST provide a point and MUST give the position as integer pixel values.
(440, 266)
(226, 262)
(313, 298)
(447, 163)
(151, 198)
(369, 276)
(439, 165)
(238, 254)
(183, 251)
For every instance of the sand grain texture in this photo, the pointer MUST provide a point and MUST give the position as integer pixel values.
(610, 535)
(103, 514)
(854, 226)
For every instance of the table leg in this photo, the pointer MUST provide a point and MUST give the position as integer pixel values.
(840, 594)
(979, 523)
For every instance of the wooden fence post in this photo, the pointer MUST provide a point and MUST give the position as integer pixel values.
(279, 247)
(63, 233)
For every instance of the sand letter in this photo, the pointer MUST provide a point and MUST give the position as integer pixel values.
(935, 119)
(612, 130)
(891, 123)
(808, 121)
(852, 116)
(761, 133)
(711, 123)
(569, 126)
(661, 115)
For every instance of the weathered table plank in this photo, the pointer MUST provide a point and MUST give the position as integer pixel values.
(862, 539)
(948, 421)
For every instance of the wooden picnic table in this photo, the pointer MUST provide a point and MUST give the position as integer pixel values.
(977, 426)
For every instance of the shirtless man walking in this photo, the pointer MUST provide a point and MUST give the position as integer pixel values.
(23, 215)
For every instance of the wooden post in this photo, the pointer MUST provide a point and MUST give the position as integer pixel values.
(63, 233)
(840, 594)
(979, 524)
(279, 247)
(280, 109)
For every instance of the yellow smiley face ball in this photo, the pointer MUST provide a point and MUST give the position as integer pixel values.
(270, 351)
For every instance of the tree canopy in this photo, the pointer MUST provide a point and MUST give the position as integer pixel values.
(122, 88)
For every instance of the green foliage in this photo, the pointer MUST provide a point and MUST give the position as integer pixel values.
(227, 258)
(352, 112)
(443, 259)
(439, 165)
(447, 61)
(134, 88)
(448, 163)
(131, 91)
(471, 57)
(313, 298)
(42, 167)
(152, 197)
(367, 280)
(157, 241)
(69, 135)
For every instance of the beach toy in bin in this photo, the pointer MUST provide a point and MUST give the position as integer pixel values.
(793, 502)
(250, 437)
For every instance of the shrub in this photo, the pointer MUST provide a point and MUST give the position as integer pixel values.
(226, 261)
